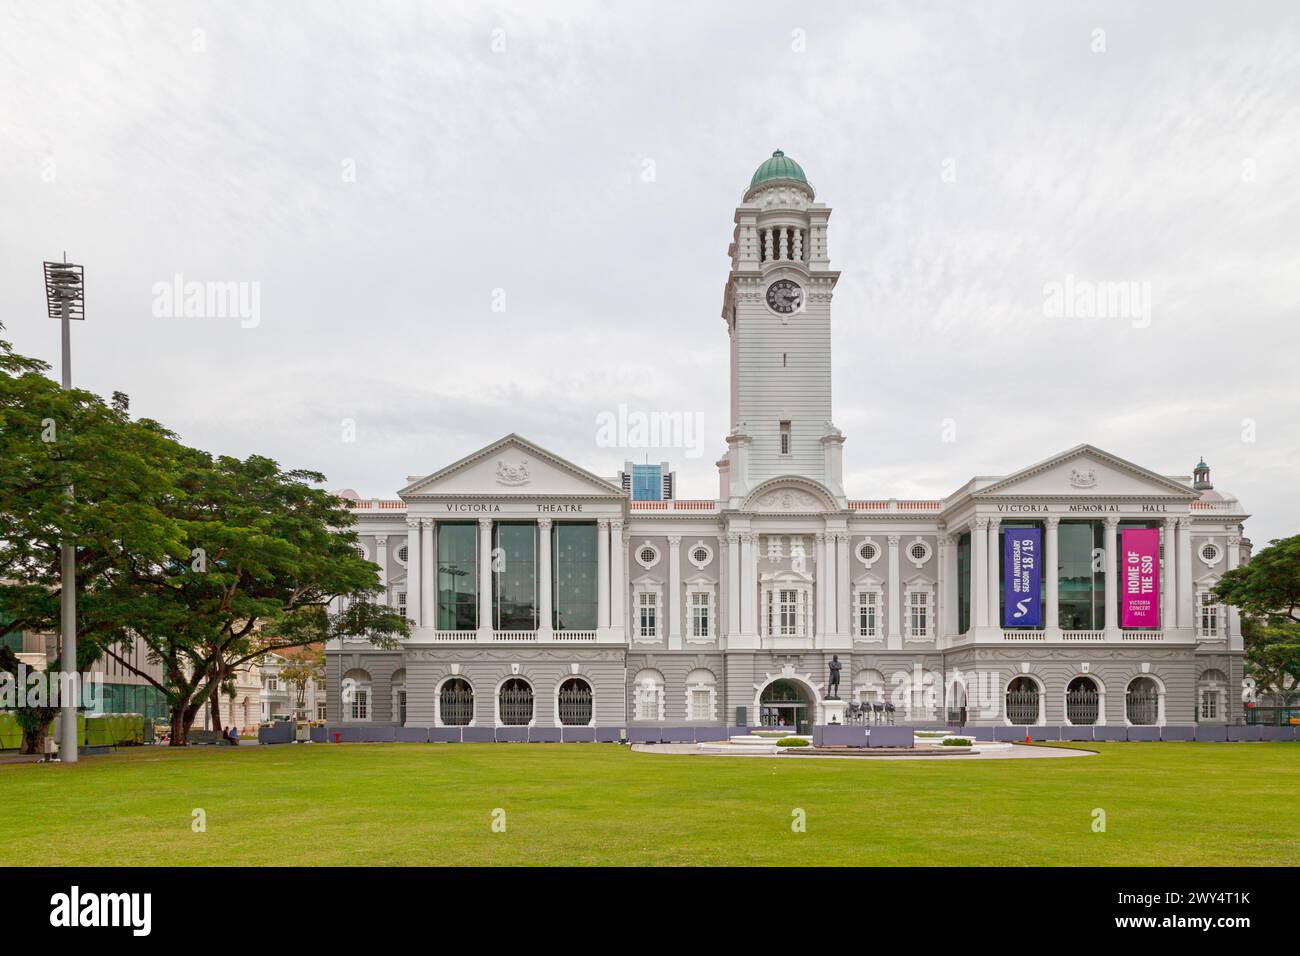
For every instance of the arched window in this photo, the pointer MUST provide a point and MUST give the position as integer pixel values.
(515, 702)
(1082, 701)
(957, 701)
(1023, 700)
(648, 695)
(870, 686)
(456, 703)
(701, 695)
(356, 695)
(574, 703)
(1209, 696)
(1142, 702)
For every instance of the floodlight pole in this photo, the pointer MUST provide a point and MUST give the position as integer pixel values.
(65, 300)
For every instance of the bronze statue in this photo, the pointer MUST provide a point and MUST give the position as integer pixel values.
(834, 692)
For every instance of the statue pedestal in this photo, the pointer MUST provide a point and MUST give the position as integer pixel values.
(833, 711)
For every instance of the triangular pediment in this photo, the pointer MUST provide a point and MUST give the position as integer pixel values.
(512, 467)
(1086, 471)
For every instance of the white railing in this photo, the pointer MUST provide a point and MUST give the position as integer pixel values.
(1143, 636)
(515, 636)
(1083, 637)
(575, 637)
(454, 637)
(1022, 636)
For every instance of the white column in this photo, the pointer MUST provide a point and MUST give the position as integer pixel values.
(748, 618)
(413, 571)
(602, 576)
(381, 559)
(485, 579)
(894, 598)
(843, 594)
(1112, 580)
(1232, 633)
(733, 584)
(953, 584)
(617, 584)
(1186, 600)
(979, 589)
(428, 567)
(823, 591)
(674, 592)
(992, 567)
(939, 613)
(1052, 613)
(1169, 585)
(545, 630)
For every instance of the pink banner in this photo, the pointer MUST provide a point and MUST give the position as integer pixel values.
(1139, 570)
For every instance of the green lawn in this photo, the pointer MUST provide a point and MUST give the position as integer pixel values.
(395, 804)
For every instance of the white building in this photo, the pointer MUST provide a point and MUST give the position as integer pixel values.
(543, 595)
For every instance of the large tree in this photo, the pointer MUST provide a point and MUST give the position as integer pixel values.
(1266, 590)
(210, 560)
(272, 564)
(73, 466)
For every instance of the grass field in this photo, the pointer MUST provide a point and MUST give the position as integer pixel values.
(396, 804)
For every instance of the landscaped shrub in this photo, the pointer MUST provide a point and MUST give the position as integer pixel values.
(792, 742)
(956, 741)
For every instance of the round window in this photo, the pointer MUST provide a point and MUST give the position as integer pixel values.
(868, 552)
(648, 555)
(920, 552)
(401, 554)
(700, 555)
(1209, 554)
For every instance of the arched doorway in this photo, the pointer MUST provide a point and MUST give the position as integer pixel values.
(786, 704)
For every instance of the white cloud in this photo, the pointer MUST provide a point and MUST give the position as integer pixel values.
(522, 171)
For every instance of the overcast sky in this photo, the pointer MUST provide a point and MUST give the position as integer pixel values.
(467, 221)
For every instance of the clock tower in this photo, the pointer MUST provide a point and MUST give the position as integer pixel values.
(777, 306)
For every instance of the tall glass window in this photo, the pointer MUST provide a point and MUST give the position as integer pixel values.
(963, 583)
(514, 575)
(1081, 549)
(457, 576)
(574, 572)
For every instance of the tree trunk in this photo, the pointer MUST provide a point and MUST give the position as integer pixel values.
(214, 698)
(31, 741)
(179, 728)
(182, 719)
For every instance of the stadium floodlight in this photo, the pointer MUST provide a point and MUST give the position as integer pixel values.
(65, 300)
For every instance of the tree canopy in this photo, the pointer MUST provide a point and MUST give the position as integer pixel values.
(209, 559)
(1266, 590)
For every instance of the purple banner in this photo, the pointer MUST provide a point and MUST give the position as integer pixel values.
(1139, 568)
(1022, 604)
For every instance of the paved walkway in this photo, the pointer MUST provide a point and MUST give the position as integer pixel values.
(1017, 752)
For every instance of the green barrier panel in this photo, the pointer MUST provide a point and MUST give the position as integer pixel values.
(104, 730)
(11, 734)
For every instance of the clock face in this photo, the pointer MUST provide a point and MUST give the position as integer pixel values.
(784, 296)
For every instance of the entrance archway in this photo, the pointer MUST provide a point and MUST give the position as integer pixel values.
(786, 704)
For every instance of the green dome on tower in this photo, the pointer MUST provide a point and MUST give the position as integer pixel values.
(778, 166)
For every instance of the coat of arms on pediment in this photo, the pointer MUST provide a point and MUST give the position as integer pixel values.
(1083, 477)
(787, 499)
(512, 474)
